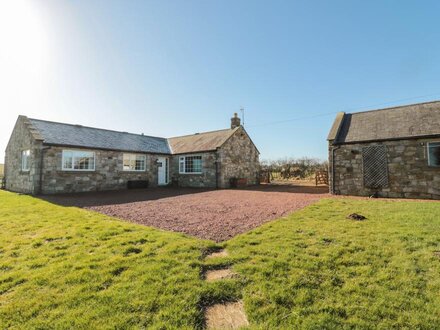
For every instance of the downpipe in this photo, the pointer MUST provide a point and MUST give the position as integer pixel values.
(333, 187)
(40, 183)
(216, 170)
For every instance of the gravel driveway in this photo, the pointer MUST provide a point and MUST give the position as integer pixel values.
(217, 215)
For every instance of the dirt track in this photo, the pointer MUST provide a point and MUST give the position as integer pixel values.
(216, 214)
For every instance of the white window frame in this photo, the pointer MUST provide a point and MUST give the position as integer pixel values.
(182, 164)
(73, 161)
(135, 159)
(427, 151)
(26, 160)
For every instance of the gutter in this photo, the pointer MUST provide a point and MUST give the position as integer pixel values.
(415, 137)
(107, 149)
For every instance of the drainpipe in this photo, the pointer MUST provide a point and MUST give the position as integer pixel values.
(216, 170)
(333, 170)
(40, 184)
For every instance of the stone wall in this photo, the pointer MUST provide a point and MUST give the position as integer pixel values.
(207, 179)
(409, 175)
(23, 138)
(108, 173)
(238, 158)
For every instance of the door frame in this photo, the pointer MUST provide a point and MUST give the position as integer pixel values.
(165, 163)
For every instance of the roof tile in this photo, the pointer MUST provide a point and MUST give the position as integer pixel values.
(200, 142)
(416, 120)
(88, 137)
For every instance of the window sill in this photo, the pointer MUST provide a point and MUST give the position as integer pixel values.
(77, 171)
(194, 173)
(133, 171)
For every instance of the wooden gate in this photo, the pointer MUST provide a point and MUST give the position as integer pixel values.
(321, 177)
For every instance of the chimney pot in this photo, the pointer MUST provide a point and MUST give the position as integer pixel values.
(235, 121)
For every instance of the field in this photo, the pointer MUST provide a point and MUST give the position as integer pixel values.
(64, 267)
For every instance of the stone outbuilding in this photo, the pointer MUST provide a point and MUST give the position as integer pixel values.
(393, 152)
(44, 157)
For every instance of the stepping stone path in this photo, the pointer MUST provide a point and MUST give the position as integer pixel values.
(218, 254)
(219, 274)
(228, 315)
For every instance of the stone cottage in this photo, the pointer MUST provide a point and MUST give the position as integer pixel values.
(44, 157)
(393, 152)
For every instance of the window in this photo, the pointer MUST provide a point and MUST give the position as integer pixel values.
(25, 160)
(133, 162)
(434, 154)
(375, 166)
(75, 160)
(190, 164)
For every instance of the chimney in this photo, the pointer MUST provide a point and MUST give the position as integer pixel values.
(235, 121)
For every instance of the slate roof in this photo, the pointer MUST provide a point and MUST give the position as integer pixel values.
(200, 142)
(403, 122)
(82, 136)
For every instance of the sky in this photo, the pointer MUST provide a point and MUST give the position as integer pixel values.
(168, 68)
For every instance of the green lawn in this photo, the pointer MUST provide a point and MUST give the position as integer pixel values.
(70, 268)
(316, 269)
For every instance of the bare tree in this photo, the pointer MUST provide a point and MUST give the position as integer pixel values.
(292, 168)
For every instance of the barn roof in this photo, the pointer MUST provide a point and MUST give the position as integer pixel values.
(200, 141)
(402, 122)
(89, 137)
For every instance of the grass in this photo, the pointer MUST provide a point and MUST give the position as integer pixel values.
(70, 268)
(318, 270)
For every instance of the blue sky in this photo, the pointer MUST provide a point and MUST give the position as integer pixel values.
(169, 68)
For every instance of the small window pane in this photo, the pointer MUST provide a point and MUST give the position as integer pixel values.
(140, 162)
(78, 160)
(126, 164)
(197, 164)
(67, 159)
(133, 162)
(434, 154)
(192, 164)
(25, 161)
(83, 163)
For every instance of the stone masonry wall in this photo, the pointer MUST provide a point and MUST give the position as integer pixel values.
(409, 175)
(239, 159)
(23, 138)
(108, 173)
(207, 179)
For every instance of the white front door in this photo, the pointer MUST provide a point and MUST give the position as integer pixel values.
(162, 171)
